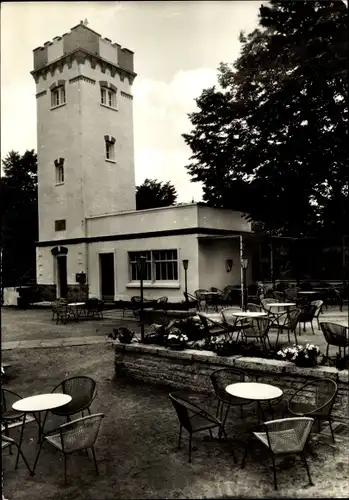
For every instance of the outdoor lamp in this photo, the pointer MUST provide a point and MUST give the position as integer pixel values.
(229, 265)
(185, 264)
(141, 263)
(244, 263)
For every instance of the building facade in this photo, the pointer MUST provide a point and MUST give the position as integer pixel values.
(90, 234)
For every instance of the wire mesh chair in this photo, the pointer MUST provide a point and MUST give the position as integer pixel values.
(55, 304)
(254, 307)
(291, 294)
(272, 314)
(337, 335)
(135, 304)
(258, 329)
(94, 308)
(191, 300)
(307, 314)
(194, 419)
(279, 296)
(220, 380)
(315, 399)
(80, 434)
(284, 436)
(63, 312)
(288, 321)
(8, 415)
(83, 391)
(7, 442)
(318, 304)
(236, 324)
(213, 328)
(202, 305)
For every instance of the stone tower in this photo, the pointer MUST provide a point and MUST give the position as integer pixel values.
(84, 131)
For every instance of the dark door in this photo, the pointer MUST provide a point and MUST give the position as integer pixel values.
(107, 276)
(62, 275)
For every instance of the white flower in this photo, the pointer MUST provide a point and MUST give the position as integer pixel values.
(306, 355)
(172, 336)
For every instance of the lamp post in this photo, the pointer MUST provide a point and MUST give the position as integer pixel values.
(244, 264)
(141, 262)
(185, 263)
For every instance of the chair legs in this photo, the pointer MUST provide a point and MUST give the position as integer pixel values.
(330, 424)
(94, 459)
(65, 469)
(190, 436)
(274, 471)
(179, 439)
(306, 466)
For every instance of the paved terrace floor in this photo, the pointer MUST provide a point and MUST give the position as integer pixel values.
(34, 327)
(137, 446)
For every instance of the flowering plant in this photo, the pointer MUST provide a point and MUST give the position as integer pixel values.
(123, 334)
(176, 339)
(300, 355)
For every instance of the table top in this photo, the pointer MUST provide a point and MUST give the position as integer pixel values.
(72, 304)
(210, 293)
(306, 292)
(283, 304)
(41, 402)
(253, 390)
(249, 314)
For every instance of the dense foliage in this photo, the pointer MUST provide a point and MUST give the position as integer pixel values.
(19, 213)
(153, 194)
(271, 139)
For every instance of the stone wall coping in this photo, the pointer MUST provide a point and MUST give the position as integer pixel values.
(243, 362)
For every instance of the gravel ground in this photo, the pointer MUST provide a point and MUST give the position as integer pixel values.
(137, 446)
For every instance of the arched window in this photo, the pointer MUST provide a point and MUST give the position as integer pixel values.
(59, 170)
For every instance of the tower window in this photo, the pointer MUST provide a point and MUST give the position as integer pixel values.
(58, 96)
(59, 170)
(59, 174)
(108, 97)
(60, 225)
(109, 148)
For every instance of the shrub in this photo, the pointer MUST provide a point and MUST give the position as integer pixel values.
(122, 334)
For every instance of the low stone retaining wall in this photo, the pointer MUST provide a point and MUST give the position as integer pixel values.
(191, 369)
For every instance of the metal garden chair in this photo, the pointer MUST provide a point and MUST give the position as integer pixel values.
(307, 314)
(202, 305)
(213, 328)
(220, 380)
(258, 329)
(337, 335)
(284, 436)
(80, 434)
(194, 419)
(318, 304)
(288, 321)
(83, 391)
(254, 307)
(7, 442)
(315, 399)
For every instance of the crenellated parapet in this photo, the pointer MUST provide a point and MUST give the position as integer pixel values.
(82, 44)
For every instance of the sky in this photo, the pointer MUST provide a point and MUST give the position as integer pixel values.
(178, 46)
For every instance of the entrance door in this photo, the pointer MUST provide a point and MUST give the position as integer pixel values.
(107, 280)
(62, 275)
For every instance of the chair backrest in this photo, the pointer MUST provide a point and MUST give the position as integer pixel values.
(82, 389)
(265, 302)
(288, 434)
(136, 299)
(293, 316)
(7, 399)
(335, 334)
(182, 409)
(81, 433)
(198, 293)
(291, 293)
(162, 300)
(307, 312)
(318, 304)
(254, 307)
(279, 295)
(320, 393)
(260, 326)
(225, 376)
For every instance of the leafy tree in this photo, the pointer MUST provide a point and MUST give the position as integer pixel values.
(271, 139)
(19, 210)
(153, 194)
